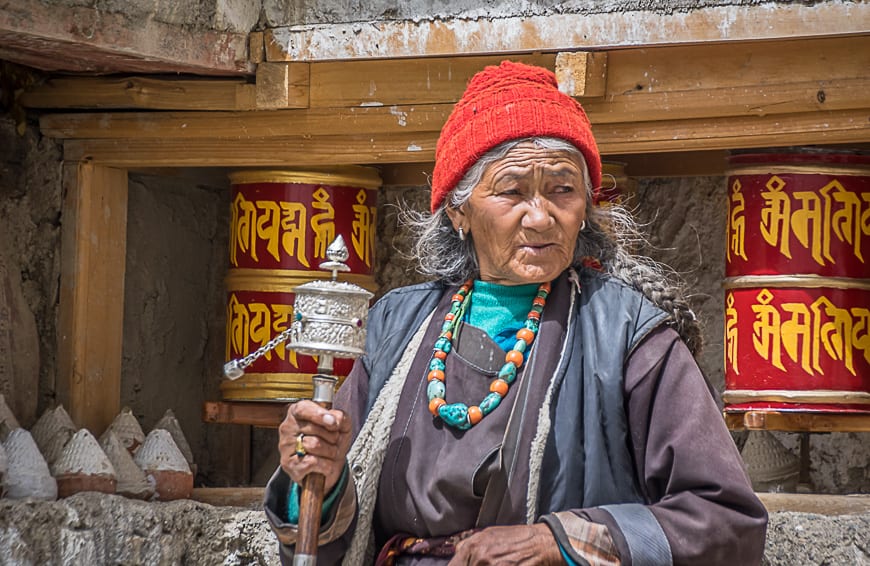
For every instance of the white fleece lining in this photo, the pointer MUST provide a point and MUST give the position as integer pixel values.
(366, 456)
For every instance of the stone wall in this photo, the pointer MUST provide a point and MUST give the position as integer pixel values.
(91, 528)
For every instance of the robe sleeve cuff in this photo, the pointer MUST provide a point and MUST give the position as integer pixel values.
(338, 514)
(643, 534)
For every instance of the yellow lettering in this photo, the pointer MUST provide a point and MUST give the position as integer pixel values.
(269, 226)
(797, 335)
(846, 220)
(322, 223)
(293, 215)
(737, 223)
(835, 333)
(731, 334)
(243, 229)
(775, 216)
(261, 324)
(766, 330)
(861, 342)
(364, 227)
(282, 316)
(237, 328)
(808, 224)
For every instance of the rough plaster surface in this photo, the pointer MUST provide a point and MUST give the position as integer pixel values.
(174, 311)
(30, 216)
(223, 15)
(91, 528)
(294, 12)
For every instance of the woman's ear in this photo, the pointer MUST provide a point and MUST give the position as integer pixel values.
(457, 218)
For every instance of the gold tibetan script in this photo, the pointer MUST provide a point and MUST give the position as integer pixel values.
(364, 228)
(731, 334)
(808, 332)
(257, 323)
(814, 217)
(736, 223)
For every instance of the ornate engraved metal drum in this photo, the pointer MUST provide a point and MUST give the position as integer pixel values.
(797, 287)
(330, 319)
(281, 224)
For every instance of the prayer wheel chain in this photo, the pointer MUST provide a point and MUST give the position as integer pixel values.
(234, 369)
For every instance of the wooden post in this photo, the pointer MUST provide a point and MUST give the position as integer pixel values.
(91, 313)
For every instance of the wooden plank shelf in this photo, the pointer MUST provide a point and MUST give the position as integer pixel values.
(265, 414)
(798, 421)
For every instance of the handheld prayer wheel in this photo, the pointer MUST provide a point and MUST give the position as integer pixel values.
(328, 322)
(281, 224)
(797, 287)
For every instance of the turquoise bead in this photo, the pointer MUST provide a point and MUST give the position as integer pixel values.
(435, 389)
(508, 372)
(435, 363)
(443, 344)
(489, 403)
(455, 415)
(520, 346)
(531, 325)
(447, 326)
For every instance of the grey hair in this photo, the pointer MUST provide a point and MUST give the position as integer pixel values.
(610, 235)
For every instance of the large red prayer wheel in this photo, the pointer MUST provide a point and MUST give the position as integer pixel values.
(281, 224)
(797, 287)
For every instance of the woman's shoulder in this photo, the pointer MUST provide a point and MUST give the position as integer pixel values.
(407, 292)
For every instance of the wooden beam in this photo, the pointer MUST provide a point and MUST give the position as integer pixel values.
(415, 147)
(256, 47)
(91, 312)
(798, 421)
(278, 151)
(261, 414)
(582, 73)
(658, 84)
(817, 503)
(564, 31)
(282, 85)
(247, 125)
(248, 497)
(138, 92)
(401, 82)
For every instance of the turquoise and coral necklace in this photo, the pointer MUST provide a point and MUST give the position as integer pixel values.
(460, 415)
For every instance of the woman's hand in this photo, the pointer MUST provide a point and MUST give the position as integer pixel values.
(520, 544)
(326, 440)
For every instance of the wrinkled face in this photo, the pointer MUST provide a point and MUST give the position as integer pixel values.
(525, 214)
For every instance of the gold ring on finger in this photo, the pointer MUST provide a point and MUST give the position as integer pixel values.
(300, 448)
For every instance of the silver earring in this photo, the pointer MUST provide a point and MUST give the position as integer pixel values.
(461, 234)
(583, 225)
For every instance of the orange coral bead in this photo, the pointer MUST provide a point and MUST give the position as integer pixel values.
(435, 374)
(525, 335)
(449, 316)
(514, 357)
(499, 386)
(534, 315)
(545, 287)
(474, 415)
(539, 301)
(440, 354)
(434, 404)
(457, 298)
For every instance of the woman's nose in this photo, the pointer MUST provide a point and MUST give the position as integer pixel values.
(537, 216)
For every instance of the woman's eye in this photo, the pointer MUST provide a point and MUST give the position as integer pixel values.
(565, 189)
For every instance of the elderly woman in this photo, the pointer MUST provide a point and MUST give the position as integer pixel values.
(538, 403)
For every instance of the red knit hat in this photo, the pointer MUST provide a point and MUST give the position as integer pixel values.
(503, 103)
